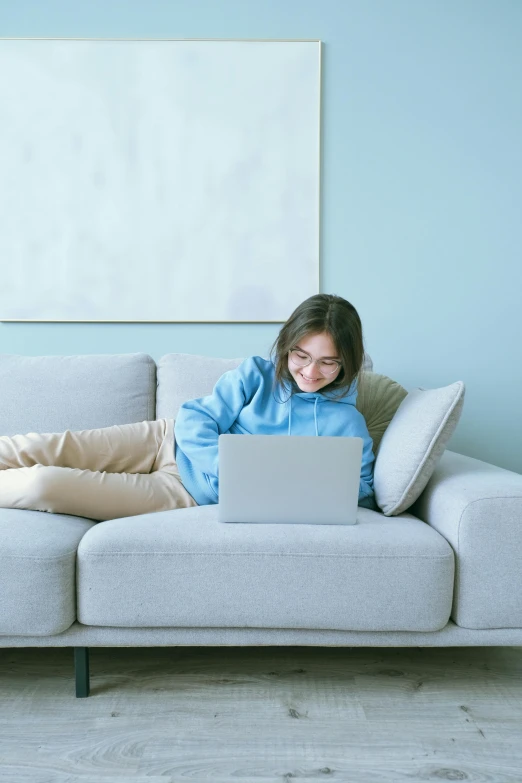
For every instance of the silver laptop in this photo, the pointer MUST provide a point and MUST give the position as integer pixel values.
(296, 479)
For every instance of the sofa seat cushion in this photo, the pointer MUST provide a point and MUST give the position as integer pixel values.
(183, 568)
(37, 571)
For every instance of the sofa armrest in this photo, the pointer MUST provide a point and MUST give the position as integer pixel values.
(477, 507)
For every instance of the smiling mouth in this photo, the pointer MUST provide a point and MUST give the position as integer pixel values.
(309, 380)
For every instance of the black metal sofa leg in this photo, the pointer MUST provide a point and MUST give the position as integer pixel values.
(81, 670)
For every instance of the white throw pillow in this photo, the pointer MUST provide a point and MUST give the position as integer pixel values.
(413, 443)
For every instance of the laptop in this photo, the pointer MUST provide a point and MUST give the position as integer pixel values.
(296, 479)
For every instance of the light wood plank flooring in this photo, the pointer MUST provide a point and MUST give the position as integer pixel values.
(264, 714)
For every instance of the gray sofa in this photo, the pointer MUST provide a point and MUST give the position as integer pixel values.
(447, 572)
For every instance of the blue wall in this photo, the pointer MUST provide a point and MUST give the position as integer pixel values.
(422, 187)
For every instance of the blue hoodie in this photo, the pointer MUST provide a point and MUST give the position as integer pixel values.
(244, 402)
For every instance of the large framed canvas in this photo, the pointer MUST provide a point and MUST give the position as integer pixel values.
(158, 180)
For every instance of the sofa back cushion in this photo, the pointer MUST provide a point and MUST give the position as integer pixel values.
(187, 376)
(56, 393)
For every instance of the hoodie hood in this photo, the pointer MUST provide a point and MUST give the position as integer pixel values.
(316, 398)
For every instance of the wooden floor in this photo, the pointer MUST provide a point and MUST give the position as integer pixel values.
(264, 714)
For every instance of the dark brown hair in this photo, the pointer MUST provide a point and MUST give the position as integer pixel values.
(317, 314)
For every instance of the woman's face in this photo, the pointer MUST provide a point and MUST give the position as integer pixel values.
(314, 377)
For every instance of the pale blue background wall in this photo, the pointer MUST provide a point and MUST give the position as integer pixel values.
(422, 187)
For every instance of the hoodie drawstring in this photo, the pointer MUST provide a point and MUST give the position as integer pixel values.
(315, 416)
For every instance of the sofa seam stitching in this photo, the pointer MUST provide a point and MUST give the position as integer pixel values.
(270, 554)
(38, 557)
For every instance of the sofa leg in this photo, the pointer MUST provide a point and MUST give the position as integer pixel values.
(81, 670)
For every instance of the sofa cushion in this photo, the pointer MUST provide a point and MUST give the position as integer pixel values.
(183, 568)
(413, 443)
(187, 376)
(58, 393)
(378, 399)
(37, 571)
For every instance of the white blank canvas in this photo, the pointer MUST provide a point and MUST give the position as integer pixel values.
(158, 180)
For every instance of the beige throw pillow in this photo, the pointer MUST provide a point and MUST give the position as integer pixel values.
(378, 399)
(413, 443)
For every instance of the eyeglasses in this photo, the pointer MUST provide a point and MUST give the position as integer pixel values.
(302, 359)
